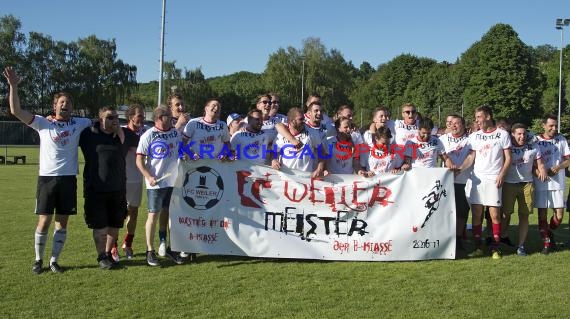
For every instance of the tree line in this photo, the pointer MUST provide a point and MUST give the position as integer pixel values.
(88, 69)
(519, 81)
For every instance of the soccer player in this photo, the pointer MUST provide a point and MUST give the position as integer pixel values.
(104, 148)
(382, 159)
(518, 186)
(305, 160)
(57, 184)
(207, 135)
(406, 128)
(380, 118)
(234, 123)
(157, 159)
(550, 193)
(424, 149)
(341, 148)
(274, 116)
(178, 109)
(491, 157)
(249, 142)
(457, 148)
(135, 116)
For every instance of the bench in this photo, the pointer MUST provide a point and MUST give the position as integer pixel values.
(15, 159)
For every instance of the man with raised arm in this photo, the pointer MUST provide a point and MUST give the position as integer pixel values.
(57, 183)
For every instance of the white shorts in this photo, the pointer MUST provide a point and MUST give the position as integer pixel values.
(548, 199)
(483, 192)
(134, 194)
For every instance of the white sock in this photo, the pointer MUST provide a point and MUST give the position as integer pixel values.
(59, 236)
(40, 240)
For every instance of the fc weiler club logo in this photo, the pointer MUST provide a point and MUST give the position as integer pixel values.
(203, 188)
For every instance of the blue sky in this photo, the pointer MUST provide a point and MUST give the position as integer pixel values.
(223, 37)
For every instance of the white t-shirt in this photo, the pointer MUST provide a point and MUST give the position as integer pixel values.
(58, 144)
(457, 148)
(161, 151)
(523, 158)
(404, 132)
(208, 138)
(381, 160)
(249, 145)
(553, 152)
(133, 173)
(324, 130)
(341, 158)
(278, 118)
(305, 160)
(424, 154)
(489, 147)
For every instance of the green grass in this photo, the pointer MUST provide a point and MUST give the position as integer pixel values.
(238, 287)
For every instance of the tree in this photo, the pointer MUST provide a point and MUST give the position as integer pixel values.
(502, 73)
(324, 72)
(238, 91)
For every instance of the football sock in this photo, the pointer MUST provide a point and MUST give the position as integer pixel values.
(496, 232)
(40, 240)
(129, 240)
(162, 235)
(554, 222)
(59, 236)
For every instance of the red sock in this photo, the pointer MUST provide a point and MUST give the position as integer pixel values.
(554, 222)
(496, 232)
(477, 230)
(544, 231)
(129, 239)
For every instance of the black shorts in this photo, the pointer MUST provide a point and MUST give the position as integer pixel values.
(461, 204)
(105, 209)
(57, 193)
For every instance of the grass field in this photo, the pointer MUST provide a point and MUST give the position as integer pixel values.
(222, 287)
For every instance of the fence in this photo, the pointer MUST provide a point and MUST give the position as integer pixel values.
(17, 133)
(18, 143)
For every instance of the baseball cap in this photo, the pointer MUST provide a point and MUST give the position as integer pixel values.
(232, 117)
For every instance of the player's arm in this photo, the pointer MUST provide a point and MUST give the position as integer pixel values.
(563, 165)
(142, 167)
(506, 163)
(284, 131)
(14, 99)
(540, 169)
(468, 161)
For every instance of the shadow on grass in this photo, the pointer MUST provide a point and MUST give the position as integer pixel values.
(533, 243)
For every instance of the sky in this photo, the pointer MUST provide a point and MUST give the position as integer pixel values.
(227, 36)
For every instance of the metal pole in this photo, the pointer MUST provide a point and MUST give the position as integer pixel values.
(560, 78)
(303, 83)
(161, 51)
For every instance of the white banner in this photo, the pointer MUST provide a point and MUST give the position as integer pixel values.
(243, 209)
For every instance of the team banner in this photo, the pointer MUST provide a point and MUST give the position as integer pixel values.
(239, 208)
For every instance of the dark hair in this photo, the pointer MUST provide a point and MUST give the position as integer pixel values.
(549, 117)
(250, 112)
(457, 116)
(485, 109)
(383, 132)
(339, 120)
(132, 110)
(60, 94)
(426, 123)
(517, 126)
(172, 96)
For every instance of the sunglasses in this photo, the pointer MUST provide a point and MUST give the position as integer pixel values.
(410, 112)
(266, 102)
(111, 117)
